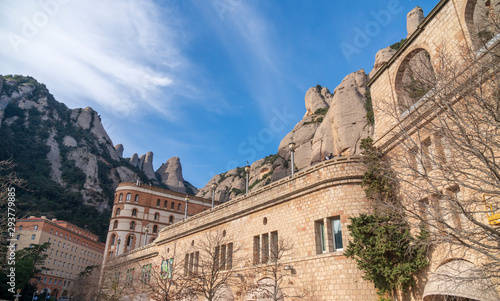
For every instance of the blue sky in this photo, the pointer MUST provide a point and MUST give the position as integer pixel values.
(214, 82)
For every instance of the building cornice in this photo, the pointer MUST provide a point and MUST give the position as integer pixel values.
(161, 192)
(282, 191)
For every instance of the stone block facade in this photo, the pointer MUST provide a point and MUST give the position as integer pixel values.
(290, 207)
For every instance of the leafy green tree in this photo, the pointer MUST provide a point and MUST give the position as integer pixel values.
(386, 251)
(28, 264)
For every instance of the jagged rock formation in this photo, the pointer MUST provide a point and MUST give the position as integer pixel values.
(134, 160)
(146, 164)
(65, 156)
(382, 57)
(413, 19)
(333, 124)
(119, 150)
(338, 130)
(170, 174)
(317, 98)
(77, 141)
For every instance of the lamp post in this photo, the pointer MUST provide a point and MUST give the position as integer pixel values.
(118, 246)
(214, 186)
(146, 238)
(186, 207)
(291, 145)
(247, 172)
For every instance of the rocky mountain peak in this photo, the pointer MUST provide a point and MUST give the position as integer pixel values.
(170, 174)
(333, 124)
(317, 98)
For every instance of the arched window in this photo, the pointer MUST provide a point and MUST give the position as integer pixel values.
(129, 196)
(115, 225)
(113, 237)
(136, 198)
(117, 211)
(130, 239)
(415, 77)
(157, 216)
(172, 205)
(134, 212)
(171, 219)
(481, 18)
(158, 203)
(165, 203)
(155, 228)
(132, 226)
(120, 197)
(179, 207)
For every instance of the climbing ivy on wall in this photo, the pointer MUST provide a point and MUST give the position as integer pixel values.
(382, 243)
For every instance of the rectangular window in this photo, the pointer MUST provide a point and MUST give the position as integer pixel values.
(223, 257)
(33, 237)
(229, 258)
(319, 227)
(436, 206)
(36, 227)
(455, 212)
(196, 260)
(166, 268)
(265, 248)
(191, 263)
(146, 273)
(274, 246)
(413, 160)
(130, 276)
(256, 249)
(439, 153)
(424, 213)
(337, 234)
(426, 157)
(216, 256)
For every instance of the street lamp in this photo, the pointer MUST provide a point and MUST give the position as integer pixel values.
(214, 186)
(118, 246)
(291, 145)
(186, 207)
(146, 238)
(247, 172)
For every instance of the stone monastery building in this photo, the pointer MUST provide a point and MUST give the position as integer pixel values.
(287, 239)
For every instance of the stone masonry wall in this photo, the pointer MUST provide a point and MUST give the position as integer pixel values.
(291, 207)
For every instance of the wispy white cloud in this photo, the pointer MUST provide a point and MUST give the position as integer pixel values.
(119, 55)
(251, 40)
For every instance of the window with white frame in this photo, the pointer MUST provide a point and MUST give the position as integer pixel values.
(328, 232)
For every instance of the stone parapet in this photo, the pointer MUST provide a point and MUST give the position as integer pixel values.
(337, 171)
